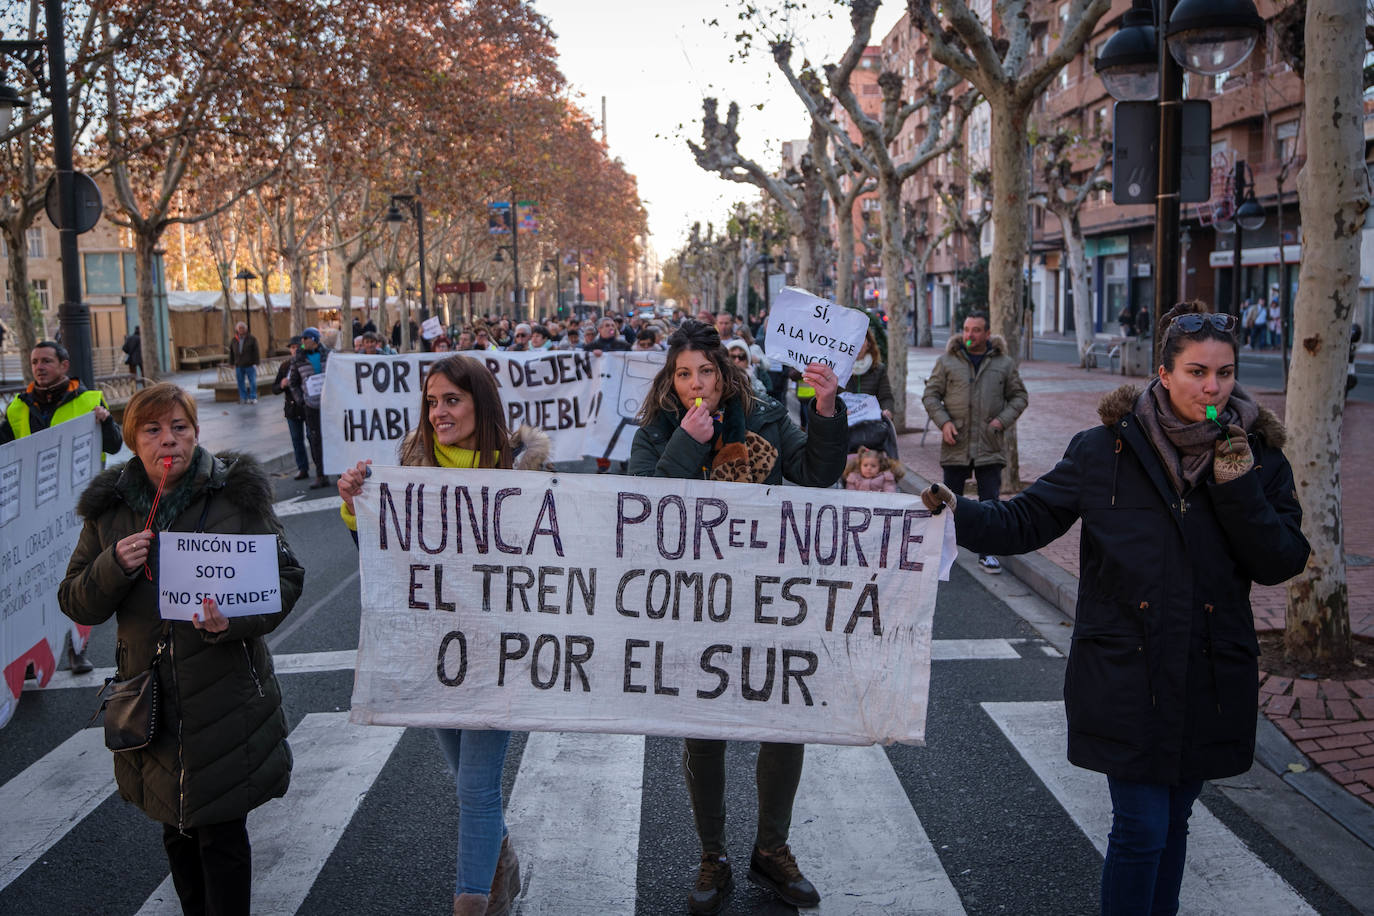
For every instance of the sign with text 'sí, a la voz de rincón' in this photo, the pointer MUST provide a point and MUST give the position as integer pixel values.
(803, 329)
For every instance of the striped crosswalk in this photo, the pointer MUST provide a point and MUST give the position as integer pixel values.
(575, 815)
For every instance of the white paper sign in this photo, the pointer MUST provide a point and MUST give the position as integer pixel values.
(239, 571)
(571, 602)
(431, 328)
(41, 478)
(370, 402)
(626, 378)
(314, 386)
(860, 407)
(803, 329)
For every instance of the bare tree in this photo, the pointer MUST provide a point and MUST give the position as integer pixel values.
(1064, 196)
(875, 154)
(1001, 67)
(1334, 196)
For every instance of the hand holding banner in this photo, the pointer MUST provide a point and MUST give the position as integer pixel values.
(803, 329)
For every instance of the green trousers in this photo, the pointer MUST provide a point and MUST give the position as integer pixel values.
(776, 778)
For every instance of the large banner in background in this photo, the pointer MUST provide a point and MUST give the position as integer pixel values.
(41, 477)
(532, 601)
(625, 381)
(369, 402)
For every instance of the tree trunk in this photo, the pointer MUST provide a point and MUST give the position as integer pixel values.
(145, 240)
(844, 257)
(1333, 195)
(19, 295)
(346, 309)
(890, 198)
(383, 316)
(268, 340)
(296, 269)
(226, 323)
(1010, 187)
(746, 254)
(1077, 249)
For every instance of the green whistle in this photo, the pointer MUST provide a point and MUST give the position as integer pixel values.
(1211, 412)
(967, 342)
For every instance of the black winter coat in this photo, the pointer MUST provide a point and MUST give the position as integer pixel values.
(220, 749)
(1162, 679)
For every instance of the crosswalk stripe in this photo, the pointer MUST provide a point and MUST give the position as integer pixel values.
(335, 764)
(1222, 876)
(857, 838)
(301, 506)
(51, 797)
(945, 650)
(574, 817)
(941, 650)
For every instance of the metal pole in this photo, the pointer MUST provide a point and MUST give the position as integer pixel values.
(515, 249)
(1166, 201)
(74, 315)
(1237, 197)
(420, 233)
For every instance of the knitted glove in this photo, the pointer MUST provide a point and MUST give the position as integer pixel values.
(1232, 457)
(937, 497)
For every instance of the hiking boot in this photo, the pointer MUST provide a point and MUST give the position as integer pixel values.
(470, 905)
(989, 564)
(505, 884)
(776, 870)
(714, 884)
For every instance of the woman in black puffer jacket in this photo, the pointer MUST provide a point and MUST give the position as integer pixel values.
(1186, 501)
(220, 746)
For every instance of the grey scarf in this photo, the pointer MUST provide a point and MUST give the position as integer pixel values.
(1185, 449)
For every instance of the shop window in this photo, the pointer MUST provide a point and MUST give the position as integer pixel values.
(103, 274)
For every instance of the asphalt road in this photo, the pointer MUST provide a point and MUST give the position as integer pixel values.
(975, 821)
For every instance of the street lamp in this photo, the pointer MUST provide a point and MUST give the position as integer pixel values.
(1246, 215)
(395, 218)
(245, 275)
(74, 316)
(1207, 37)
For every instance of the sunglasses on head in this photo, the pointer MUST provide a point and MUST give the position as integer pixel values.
(1192, 323)
(740, 357)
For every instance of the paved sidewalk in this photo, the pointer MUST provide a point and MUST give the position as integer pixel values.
(1330, 721)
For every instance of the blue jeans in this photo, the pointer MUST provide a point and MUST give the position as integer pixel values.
(476, 758)
(296, 426)
(247, 377)
(1143, 868)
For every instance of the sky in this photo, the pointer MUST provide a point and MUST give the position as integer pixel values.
(654, 61)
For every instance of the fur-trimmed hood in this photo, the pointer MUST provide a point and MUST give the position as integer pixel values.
(242, 479)
(997, 345)
(1117, 404)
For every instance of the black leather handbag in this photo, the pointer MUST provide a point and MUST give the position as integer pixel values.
(132, 708)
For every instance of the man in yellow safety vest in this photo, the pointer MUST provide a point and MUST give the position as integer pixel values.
(53, 398)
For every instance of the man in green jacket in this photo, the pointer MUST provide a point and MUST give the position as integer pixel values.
(53, 398)
(974, 394)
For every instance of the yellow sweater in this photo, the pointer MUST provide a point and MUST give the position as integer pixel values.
(448, 456)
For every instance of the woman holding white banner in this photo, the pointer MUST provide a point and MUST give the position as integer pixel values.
(702, 420)
(463, 425)
(217, 748)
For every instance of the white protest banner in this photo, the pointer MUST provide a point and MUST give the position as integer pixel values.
(371, 401)
(625, 381)
(239, 571)
(431, 327)
(569, 602)
(860, 408)
(41, 478)
(803, 329)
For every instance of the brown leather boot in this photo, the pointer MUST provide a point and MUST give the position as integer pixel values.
(505, 884)
(470, 905)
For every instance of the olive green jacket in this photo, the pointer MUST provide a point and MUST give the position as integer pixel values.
(971, 400)
(220, 748)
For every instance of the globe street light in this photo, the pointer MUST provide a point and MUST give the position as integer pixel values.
(1205, 36)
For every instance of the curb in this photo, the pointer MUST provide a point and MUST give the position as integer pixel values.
(1059, 587)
